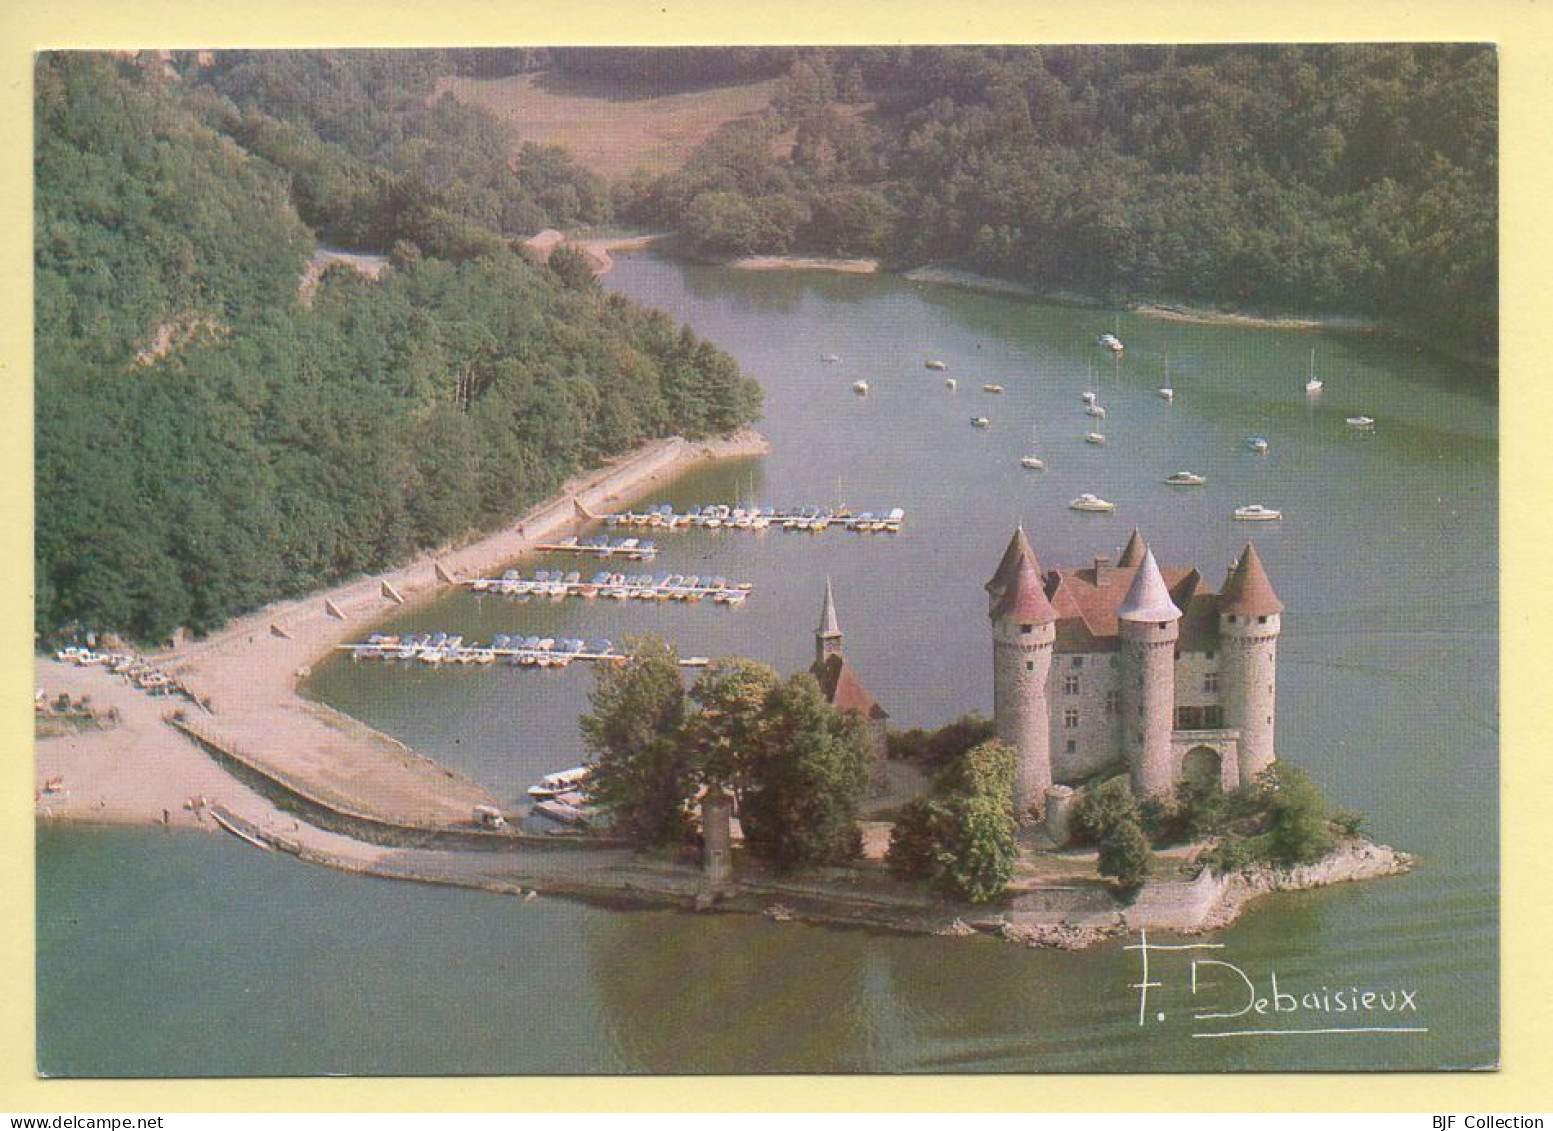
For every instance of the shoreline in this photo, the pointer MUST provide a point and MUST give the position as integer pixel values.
(250, 673)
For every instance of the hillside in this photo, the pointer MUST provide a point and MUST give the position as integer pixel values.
(612, 128)
(1348, 179)
(206, 441)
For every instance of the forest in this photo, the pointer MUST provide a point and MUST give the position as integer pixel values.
(1353, 179)
(206, 440)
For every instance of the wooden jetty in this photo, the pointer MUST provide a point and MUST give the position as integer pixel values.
(722, 516)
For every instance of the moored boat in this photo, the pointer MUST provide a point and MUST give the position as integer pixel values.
(1361, 421)
(1256, 443)
(935, 364)
(1186, 479)
(980, 422)
(1256, 512)
(860, 388)
(1093, 503)
(992, 388)
(1094, 438)
(1034, 463)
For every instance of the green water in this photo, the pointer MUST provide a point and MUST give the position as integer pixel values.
(187, 955)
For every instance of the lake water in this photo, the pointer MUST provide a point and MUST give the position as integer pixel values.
(181, 954)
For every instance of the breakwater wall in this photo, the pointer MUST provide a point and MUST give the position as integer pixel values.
(336, 816)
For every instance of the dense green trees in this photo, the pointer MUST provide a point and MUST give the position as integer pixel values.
(796, 766)
(960, 837)
(205, 442)
(1344, 178)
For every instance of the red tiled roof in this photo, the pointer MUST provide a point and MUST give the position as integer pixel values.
(1086, 612)
(844, 690)
(1018, 550)
(1247, 592)
(1025, 597)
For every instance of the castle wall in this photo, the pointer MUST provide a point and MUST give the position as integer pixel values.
(1097, 740)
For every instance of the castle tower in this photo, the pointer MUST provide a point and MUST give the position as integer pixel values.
(827, 638)
(1249, 624)
(1024, 629)
(1149, 624)
(1132, 553)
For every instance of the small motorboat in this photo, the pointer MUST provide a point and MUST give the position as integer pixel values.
(1186, 479)
(992, 388)
(1095, 411)
(860, 388)
(1256, 444)
(1088, 398)
(1167, 393)
(936, 364)
(1034, 463)
(1256, 512)
(980, 422)
(951, 384)
(1361, 421)
(1094, 438)
(1093, 503)
(830, 358)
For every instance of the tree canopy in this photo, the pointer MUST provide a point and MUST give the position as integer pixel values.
(206, 441)
(1346, 178)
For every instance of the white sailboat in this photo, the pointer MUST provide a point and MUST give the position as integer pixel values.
(1168, 391)
(1032, 461)
(1313, 384)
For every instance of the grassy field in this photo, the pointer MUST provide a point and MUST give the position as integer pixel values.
(609, 128)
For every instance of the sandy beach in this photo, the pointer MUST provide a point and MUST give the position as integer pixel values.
(249, 672)
(805, 263)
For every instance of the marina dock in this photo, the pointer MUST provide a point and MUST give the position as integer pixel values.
(438, 648)
(619, 586)
(631, 549)
(722, 516)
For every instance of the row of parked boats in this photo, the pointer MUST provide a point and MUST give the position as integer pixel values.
(722, 515)
(632, 549)
(139, 671)
(526, 651)
(620, 586)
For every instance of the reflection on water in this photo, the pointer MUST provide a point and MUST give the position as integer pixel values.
(1387, 688)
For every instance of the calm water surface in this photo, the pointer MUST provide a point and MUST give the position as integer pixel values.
(182, 954)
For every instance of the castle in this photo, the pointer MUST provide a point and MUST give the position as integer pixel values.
(1129, 663)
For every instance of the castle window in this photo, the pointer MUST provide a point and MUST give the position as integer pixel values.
(1070, 685)
(1208, 655)
(1232, 618)
(1070, 718)
(1261, 620)
(1072, 746)
(1026, 629)
(1213, 717)
(1078, 661)
(1210, 681)
(1164, 624)
(1113, 702)
(1029, 665)
(1116, 661)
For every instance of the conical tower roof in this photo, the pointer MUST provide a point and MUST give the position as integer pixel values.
(1247, 592)
(1148, 598)
(828, 623)
(1133, 552)
(1025, 598)
(1018, 549)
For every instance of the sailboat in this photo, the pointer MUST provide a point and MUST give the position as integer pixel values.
(1168, 390)
(1032, 461)
(1313, 384)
